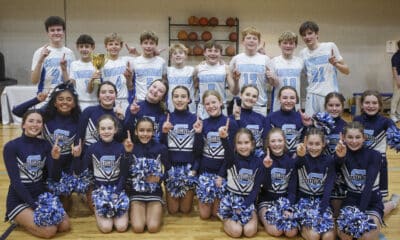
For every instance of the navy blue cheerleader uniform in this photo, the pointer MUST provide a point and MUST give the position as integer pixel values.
(332, 139)
(291, 125)
(279, 181)
(255, 122)
(65, 128)
(146, 155)
(375, 128)
(147, 109)
(315, 180)
(360, 169)
(244, 177)
(182, 142)
(28, 161)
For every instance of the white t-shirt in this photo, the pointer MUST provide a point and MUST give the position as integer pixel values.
(51, 74)
(184, 77)
(212, 77)
(252, 71)
(288, 72)
(321, 75)
(82, 72)
(146, 71)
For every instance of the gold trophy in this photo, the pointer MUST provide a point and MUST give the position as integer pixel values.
(98, 61)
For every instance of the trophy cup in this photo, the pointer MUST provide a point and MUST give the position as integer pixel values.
(98, 61)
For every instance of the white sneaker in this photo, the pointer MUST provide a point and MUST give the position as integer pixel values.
(394, 118)
(395, 198)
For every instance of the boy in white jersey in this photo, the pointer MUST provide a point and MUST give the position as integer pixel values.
(213, 75)
(179, 74)
(117, 70)
(148, 67)
(286, 67)
(47, 60)
(83, 73)
(321, 61)
(251, 68)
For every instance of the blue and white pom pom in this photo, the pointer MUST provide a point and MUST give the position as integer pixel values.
(110, 203)
(324, 121)
(83, 181)
(307, 211)
(275, 215)
(49, 211)
(232, 206)
(142, 169)
(180, 180)
(207, 191)
(63, 187)
(354, 222)
(393, 137)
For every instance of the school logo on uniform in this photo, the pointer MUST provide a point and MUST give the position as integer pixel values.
(291, 134)
(241, 182)
(332, 141)
(32, 169)
(91, 134)
(279, 179)
(369, 137)
(181, 138)
(358, 178)
(255, 129)
(107, 167)
(213, 147)
(64, 141)
(311, 183)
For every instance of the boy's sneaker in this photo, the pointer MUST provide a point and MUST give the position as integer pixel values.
(395, 198)
(394, 118)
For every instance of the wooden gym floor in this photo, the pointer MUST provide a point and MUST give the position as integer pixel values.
(175, 227)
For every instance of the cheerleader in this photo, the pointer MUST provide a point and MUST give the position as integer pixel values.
(245, 172)
(211, 170)
(145, 178)
(334, 105)
(108, 160)
(246, 117)
(27, 158)
(61, 118)
(287, 118)
(375, 128)
(153, 107)
(181, 133)
(362, 209)
(277, 195)
(315, 178)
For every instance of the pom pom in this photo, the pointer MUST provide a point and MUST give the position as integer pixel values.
(393, 137)
(276, 215)
(207, 191)
(353, 222)
(63, 187)
(83, 181)
(307, 211)
(324, 121)
(110, 203)
(259, 153)
(142, 169)
(49, 211)
(180, 180)
(232, 206)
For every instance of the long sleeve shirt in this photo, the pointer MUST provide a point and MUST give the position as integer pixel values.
(291, 125)
(109, 163)
(28, 162)
(147, 109)
(255, 122)
(213, 152)
(280, 179)
(244, 174)
(360, 169)
(315, 178)
(182, 141)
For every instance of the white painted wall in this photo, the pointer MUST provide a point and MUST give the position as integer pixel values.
(360, 28)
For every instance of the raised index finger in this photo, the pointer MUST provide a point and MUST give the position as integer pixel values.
(268, 153)
(332, 53)
(167, 117)
(227, 124)
(56, 142)
(128, 134)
